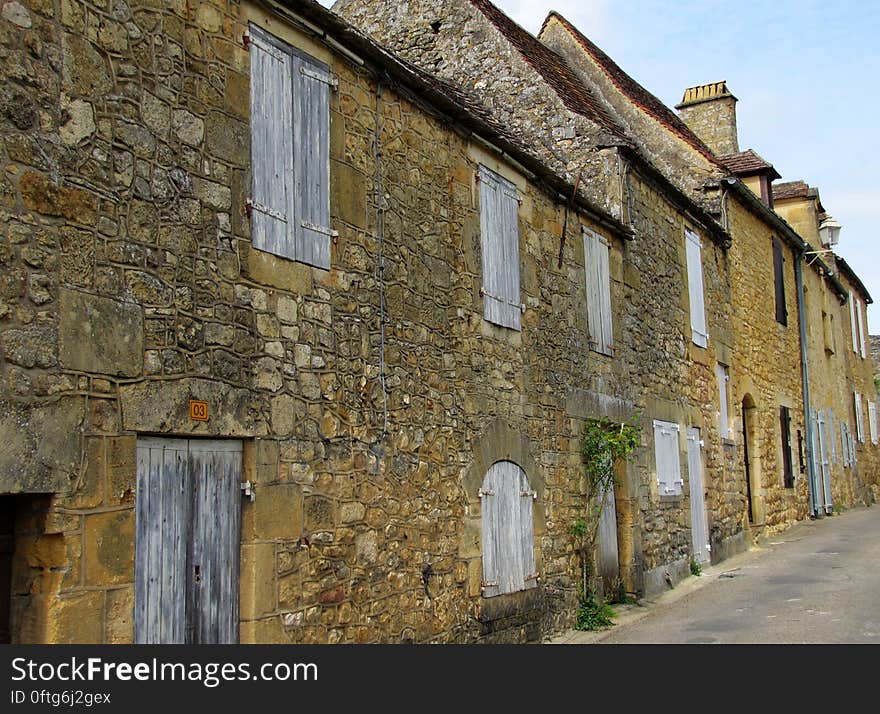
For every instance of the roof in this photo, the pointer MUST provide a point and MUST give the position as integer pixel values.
(553, 68)
(636, 93)
(747, 163)
(791, 189)
(853, 279)
(464, 109)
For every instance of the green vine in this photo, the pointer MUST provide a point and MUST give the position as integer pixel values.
(603, 444)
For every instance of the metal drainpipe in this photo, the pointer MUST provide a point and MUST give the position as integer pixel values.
(805, 380)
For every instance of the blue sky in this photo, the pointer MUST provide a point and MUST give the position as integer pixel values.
(805, 74)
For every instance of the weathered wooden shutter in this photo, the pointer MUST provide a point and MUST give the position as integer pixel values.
(271, 147)
(606, 538)
(863, 346)
(844, 444)
(832, 436)
(852, 320)
(825, 470)
(598, 282)
(507, 530)
(785, 428)
(699, 523)
(860, 425)
(722, 376)
(699, 332)
(667, 460)
(816, 460)
(779, 280)
(872, 421)
(499, 231)
(188, 525)
(161, 541)
(215, 473)
(311, 141)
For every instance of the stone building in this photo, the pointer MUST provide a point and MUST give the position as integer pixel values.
(298, 338)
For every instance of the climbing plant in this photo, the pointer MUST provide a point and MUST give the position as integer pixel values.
(604, 443)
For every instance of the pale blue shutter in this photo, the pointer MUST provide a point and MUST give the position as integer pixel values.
(271, 147)
(507, 530)
(860, 425)
(699, 332)
(499, 232)
(667, 460)
(598, 282)
(311, 118)
(832, 436)
(852, 319)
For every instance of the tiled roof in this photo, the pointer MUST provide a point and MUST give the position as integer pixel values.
(748, 162)
(792, 189)
(553, 68)
(637, 94)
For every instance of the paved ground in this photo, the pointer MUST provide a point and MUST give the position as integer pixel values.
(819, 582)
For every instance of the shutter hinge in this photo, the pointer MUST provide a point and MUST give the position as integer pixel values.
(533, 576)
(487, 492)
(320, 229)
(530, 494)
(247, 489)
(488, 584)
(250, 206)
(320, 77)
(246, 39)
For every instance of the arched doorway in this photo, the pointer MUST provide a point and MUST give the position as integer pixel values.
(751, 460)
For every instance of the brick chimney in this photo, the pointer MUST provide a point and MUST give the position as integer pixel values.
(710, 112)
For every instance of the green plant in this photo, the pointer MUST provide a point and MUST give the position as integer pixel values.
(696, 568)
(603, 443)
(593, 614)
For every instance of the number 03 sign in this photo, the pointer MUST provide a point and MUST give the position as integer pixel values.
(198, 411)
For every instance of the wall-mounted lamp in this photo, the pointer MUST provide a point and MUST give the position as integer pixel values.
(829, 231)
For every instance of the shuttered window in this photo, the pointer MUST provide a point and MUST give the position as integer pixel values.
(779, 280)
(290, 152)
(844, 444)
(723, 377)
(666, 453)
(699, 332)
(860, 422)
(832, 436)
(853, 323)
(872, 421)
(598, 279)
(863, 348)
(507, 529)
(785, 429)
(499, 232)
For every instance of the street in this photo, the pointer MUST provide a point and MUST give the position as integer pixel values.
(815, 583)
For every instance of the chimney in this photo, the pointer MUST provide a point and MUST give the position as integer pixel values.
(710, 112)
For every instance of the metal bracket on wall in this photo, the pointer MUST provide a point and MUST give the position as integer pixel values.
(247, 488)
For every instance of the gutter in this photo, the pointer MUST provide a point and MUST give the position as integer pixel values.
(440, 99)
(805, 385)
(799, 245)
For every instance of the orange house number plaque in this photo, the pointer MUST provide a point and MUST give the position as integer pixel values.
(198, 411)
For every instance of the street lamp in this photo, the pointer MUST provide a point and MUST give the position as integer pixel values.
(829, 231)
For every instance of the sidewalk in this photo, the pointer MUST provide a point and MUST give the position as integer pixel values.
(627, 614)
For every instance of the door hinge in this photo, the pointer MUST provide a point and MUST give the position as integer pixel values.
(488, 584)
(320, 229)
(530, 494)
(320, 77)
(533, 576)
(247, 489)
(487, 492)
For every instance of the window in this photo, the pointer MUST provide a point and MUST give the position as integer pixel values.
(779, 279)
(857, 322)
(499, 231)
(872, 421)
(723, 377)
(666, 453)
(596, 254)
(785, 428)
(508, 534)
(860, 423)
(861, 329)
(844, 444)
(290, 152)
(832, 440)
(699, 333)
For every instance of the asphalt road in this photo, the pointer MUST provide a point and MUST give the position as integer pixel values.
(819, 582)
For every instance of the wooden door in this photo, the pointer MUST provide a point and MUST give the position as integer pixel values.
(7, 529)
(699, 522)
(188, 525)
(609, 563)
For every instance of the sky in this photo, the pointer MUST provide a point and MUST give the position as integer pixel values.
(805, 74)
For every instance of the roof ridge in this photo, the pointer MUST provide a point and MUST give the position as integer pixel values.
(573, 92)
(654, 107)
